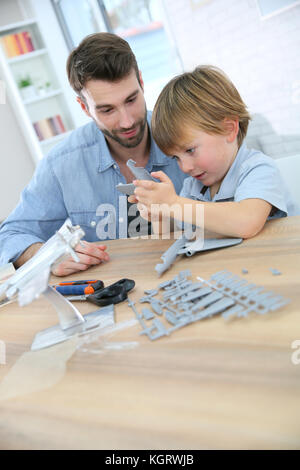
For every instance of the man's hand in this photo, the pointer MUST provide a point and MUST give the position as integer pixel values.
(89, 255)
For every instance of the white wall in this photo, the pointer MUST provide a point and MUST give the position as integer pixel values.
(15, 161)
(262, 58)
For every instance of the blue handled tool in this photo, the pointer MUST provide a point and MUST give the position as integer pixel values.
(79, 287)
(113, 294)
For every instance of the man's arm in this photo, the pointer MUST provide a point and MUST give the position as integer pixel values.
(88, 254)
(27, 254)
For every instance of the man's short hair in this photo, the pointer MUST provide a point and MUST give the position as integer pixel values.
(201, 99)
(100, 56)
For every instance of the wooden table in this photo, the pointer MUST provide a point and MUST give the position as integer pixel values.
(214, 384)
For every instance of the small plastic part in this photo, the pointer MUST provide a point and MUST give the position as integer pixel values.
(140, 173)
(127, 189)
(275, 272)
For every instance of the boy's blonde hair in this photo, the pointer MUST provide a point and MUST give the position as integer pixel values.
(201, 99)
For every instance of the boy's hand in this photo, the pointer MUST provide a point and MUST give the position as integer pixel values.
(149, 193)
(89, 255)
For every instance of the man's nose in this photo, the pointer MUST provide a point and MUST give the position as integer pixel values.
(126, 121)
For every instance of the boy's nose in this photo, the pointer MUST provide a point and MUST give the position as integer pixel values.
(187, 165)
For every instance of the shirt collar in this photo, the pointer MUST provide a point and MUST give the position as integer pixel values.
(105, 160)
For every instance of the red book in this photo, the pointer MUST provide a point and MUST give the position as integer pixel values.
(28, 41)
(22, 42)
(60, 123)
(19, 45)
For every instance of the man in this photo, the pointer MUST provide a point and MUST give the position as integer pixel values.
(78, 177)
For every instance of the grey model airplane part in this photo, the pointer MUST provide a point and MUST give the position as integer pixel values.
(185, 302)
(140, 173)
(127, 189)
(31, 280)
(183, 246)
(170, 255)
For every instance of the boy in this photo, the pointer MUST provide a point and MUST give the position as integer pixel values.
(201, 121)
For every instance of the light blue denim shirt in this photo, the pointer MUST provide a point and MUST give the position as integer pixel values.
(252, 175)
(77, 179)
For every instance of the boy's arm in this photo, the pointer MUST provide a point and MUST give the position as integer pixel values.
(242, 219)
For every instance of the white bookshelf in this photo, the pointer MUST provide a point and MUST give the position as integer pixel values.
(47, 100)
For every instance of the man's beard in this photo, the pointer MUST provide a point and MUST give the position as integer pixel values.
(130, 142)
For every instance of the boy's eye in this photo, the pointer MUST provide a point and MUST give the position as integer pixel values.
(191, 150)
(174, 157)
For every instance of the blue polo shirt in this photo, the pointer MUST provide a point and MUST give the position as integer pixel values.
(76, 180)
(252, 175)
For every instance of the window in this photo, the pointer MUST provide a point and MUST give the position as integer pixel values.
(268, 8)
(139, 22)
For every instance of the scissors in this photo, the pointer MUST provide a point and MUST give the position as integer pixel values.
(113, 294)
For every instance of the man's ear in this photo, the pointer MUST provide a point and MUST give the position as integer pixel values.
(232, 128)
(83, 105)
(141, 80)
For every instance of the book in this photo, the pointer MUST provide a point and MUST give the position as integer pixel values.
(54, 128)
(19, 45)
(11, 45)
(22, 42)
(4, 46)
(61, 126)
(45, 129)
(38, 130)
(28, 41)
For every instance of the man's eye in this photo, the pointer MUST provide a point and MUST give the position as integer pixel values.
(132, 99)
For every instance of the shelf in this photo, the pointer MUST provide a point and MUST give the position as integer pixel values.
(19, 24)
(54, 139)
(28, 55)
(36, 99)
(39, 66)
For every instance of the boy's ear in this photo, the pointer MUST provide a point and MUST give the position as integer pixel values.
(231, 127)
(83, 105)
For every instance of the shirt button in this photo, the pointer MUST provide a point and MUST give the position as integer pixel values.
(121, 219)
(115, 166)
(93, 223)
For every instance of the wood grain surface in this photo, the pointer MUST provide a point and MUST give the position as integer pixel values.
(215, 384)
